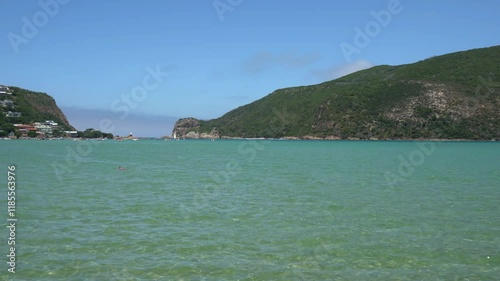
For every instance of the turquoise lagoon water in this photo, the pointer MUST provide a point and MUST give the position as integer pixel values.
(253, 210)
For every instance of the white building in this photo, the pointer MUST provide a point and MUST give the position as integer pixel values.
(50, 123)
(71, 134)
(45, 129)
(4, 90)
(13, 114)
(6, 103)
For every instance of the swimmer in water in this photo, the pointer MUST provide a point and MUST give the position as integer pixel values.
(121, 168)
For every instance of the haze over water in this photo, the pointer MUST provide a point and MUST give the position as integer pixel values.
(254, 210)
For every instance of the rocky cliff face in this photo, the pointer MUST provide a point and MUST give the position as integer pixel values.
(47, 105)
(189, 128)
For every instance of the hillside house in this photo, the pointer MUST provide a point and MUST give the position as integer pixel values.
(71, 134)
(44, 129)
(13, 114)
(4, 90)
(6, 103)
(50, 123)
(25, 129)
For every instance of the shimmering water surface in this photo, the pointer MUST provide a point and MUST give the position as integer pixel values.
(253, 210)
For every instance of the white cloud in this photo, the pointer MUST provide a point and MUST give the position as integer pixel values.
(337, 71)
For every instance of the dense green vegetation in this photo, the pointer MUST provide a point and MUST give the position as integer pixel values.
(91, 133)
(38, 107)
(455, 96)
(34, 106)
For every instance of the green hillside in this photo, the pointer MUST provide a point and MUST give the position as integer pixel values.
(454, 96)
(33, 107)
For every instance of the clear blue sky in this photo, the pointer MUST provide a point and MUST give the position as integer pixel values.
(88, 54)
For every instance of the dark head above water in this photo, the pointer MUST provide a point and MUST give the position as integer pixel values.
(121, 168)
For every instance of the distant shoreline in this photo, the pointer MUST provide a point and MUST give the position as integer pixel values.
(310, 138)
(252, 139)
